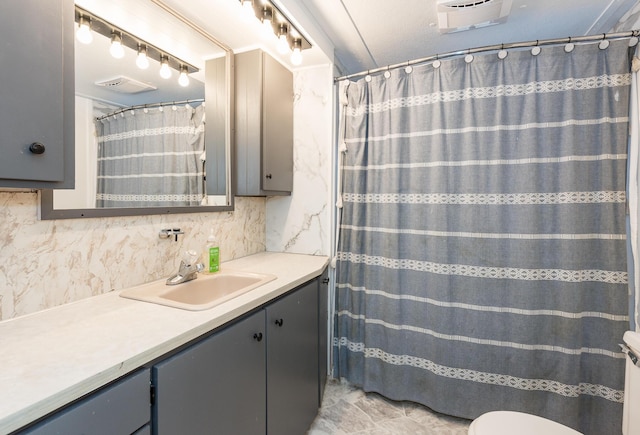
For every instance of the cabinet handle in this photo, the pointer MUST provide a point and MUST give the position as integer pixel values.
(257, 336)
(325, 281)
(279, 322)
(37, 148)
(268, 176)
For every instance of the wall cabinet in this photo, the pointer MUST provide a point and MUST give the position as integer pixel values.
(257, 376)
(121, 408)
(37, 94)
(264, 125)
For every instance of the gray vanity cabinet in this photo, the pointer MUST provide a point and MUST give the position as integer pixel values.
(292, 362)
(256, 376)
(37, 94)
(122, 408)
(216, 386)
(264, 125)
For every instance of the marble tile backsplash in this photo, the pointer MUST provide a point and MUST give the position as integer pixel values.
(49, 263)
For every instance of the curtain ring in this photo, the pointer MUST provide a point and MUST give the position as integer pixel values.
(387, 73)
(604, 44)
(536, 49)
(569, 47)
(436, 63)
(502, 53)
(367, 78)
(408, 69)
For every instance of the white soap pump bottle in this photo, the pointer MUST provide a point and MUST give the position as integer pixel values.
(211, 254)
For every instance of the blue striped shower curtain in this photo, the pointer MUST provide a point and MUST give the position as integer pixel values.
(481, 263)
(151, 157)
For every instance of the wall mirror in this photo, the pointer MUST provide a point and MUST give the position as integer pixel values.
(141, 142)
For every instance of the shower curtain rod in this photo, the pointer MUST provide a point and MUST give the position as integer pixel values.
(150, 105)
(591, 38)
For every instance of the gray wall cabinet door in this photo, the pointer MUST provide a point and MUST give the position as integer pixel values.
(216, 386)
(36, 94)
(292, 362)
(277, 126)
(119, 409)
(264, 125)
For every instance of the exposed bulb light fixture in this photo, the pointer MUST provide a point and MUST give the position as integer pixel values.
(275, 22)
(83, 34)
(183, 79)
(247, 8)
(296, 55)
(165, 70)
(283, 41)
(121, 40)
(116, 48)
(267, 19)
(142, 60)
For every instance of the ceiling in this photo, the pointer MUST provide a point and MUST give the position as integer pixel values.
(355, 35)
(368, 34)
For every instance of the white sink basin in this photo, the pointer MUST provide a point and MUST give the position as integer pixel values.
(202, 293)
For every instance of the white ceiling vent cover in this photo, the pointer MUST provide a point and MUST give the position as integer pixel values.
(125, 85)
(459, 15)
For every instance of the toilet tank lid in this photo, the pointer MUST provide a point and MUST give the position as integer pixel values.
(632, 339)
(510, 422)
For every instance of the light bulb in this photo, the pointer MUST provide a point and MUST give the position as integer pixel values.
(165, 70)
(247, 8)
(83, 34)
(142, 60)
(116, 48)
(267, 23)
(283, 42)
(183, 79)
(296, 56)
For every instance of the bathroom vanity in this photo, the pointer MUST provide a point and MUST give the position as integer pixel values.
(253, 364)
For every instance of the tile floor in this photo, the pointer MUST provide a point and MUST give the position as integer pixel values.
(348, 410)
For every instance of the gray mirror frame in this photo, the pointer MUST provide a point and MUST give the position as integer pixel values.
(222, 111)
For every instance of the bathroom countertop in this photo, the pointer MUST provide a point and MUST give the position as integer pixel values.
(55, 356)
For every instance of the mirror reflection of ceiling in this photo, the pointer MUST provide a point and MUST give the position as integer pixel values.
(146, 21)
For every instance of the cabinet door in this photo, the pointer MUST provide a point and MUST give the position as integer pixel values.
(292, 361)
(216, 386)
(264, 125)
(277, 127)
(118, 409)
(36, 95)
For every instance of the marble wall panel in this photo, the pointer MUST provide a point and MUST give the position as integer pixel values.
(300, 223)
(49, 263)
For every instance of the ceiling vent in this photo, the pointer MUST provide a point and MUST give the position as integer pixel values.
(459, 15)
(125, 85)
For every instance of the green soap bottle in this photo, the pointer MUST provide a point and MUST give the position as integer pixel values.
(212, 254)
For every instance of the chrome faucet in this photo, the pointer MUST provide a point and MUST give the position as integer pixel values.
(188, 269)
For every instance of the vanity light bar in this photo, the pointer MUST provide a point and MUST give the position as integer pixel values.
(279, 22)
(107, 29)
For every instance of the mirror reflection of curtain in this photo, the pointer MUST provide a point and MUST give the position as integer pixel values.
(151, 158)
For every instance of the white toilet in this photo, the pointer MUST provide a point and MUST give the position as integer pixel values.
(505, 422)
